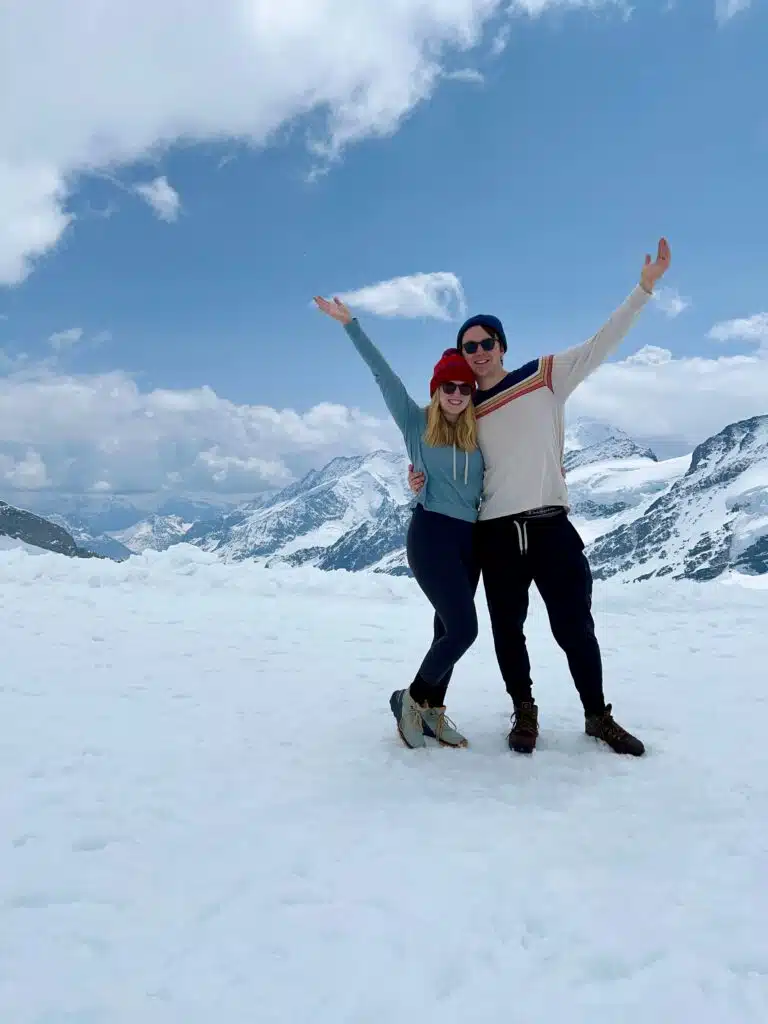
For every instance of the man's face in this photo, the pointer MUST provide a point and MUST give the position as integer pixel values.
(483, 363)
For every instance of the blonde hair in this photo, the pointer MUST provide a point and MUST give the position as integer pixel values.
(441, 432)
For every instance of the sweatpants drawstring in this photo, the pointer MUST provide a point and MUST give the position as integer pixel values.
(522, 536)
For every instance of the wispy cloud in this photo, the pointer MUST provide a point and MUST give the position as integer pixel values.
(653, 393)
(727, 9)
(26, 474)
(75, 337)
(671, 302)
(750, 329)
(471, 75)
(103, 432)
(162, 197)
(103, 212)
(500, 41)
(534, 8)
(12, 362)
(61, 340)
(438, 296)
(217, 80)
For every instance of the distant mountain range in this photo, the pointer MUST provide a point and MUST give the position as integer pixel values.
(692, 517)
(711, 518)
(16, 524)
(349, 515)
(117, 526)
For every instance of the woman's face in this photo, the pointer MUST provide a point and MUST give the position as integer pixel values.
(455, 396)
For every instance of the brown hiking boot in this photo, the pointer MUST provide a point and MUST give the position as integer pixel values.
(604, 727)
(525, 728)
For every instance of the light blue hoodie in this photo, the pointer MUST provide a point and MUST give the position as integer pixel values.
(454, 479)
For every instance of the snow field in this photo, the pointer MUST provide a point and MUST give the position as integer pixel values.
(207, 814)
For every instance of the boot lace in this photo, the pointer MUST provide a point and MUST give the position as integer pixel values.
(609, 727)
(412, 713)
(524, 720)
(441, 721)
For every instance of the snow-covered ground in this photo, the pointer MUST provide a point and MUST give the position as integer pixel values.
(206, 814)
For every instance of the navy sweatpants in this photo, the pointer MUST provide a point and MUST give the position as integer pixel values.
(442, 557)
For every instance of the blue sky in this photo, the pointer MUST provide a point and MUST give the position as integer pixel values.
(546, 159)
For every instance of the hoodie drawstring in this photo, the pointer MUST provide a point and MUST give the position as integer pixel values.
(522, 536)
(466, 465)
(454, 460)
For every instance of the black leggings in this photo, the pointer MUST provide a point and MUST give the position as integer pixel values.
(441, 555)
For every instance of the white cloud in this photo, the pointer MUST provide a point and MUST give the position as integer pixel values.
(500, 41)
(78, 433)
(466, 75)
(32, 194)
(26, 474)
(671, 302)
(237, 472)
(162, 197)
(10, 362)
(99, 86)
(65, 339)
(438, 295)
(727, 9)
(102, 429)
(74, 337)
(653, 393)
(750, 329)
(535, 8)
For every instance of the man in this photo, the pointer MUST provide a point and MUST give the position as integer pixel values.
(524, 533)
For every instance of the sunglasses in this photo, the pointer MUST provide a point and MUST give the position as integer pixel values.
(449, 387)
(487, 345)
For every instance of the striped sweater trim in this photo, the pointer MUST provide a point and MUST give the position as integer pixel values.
(540, 378)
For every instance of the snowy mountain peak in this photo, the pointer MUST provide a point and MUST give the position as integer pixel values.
(384, 467)
(307, 522)
(588, 441)
(155, 533)
(734, 449)
(714, 518)
(586, 431)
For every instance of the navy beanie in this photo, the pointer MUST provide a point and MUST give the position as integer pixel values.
(491, 323)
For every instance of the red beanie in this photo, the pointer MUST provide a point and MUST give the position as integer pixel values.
(451, 366)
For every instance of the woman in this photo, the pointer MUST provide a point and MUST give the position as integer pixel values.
(442, 442)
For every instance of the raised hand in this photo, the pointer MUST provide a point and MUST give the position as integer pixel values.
(652, 272)
(336, 309)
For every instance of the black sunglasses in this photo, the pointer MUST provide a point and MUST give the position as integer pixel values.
(487, 345)
(449, 387)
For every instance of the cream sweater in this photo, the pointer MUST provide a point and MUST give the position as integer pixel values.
(521, 420)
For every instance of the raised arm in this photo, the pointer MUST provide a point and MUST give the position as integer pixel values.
(571, 367)
(400, 404)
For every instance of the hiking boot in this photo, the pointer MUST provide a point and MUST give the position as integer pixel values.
(604, 727)
(407, 714)
(525, 728)
(440, 727)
